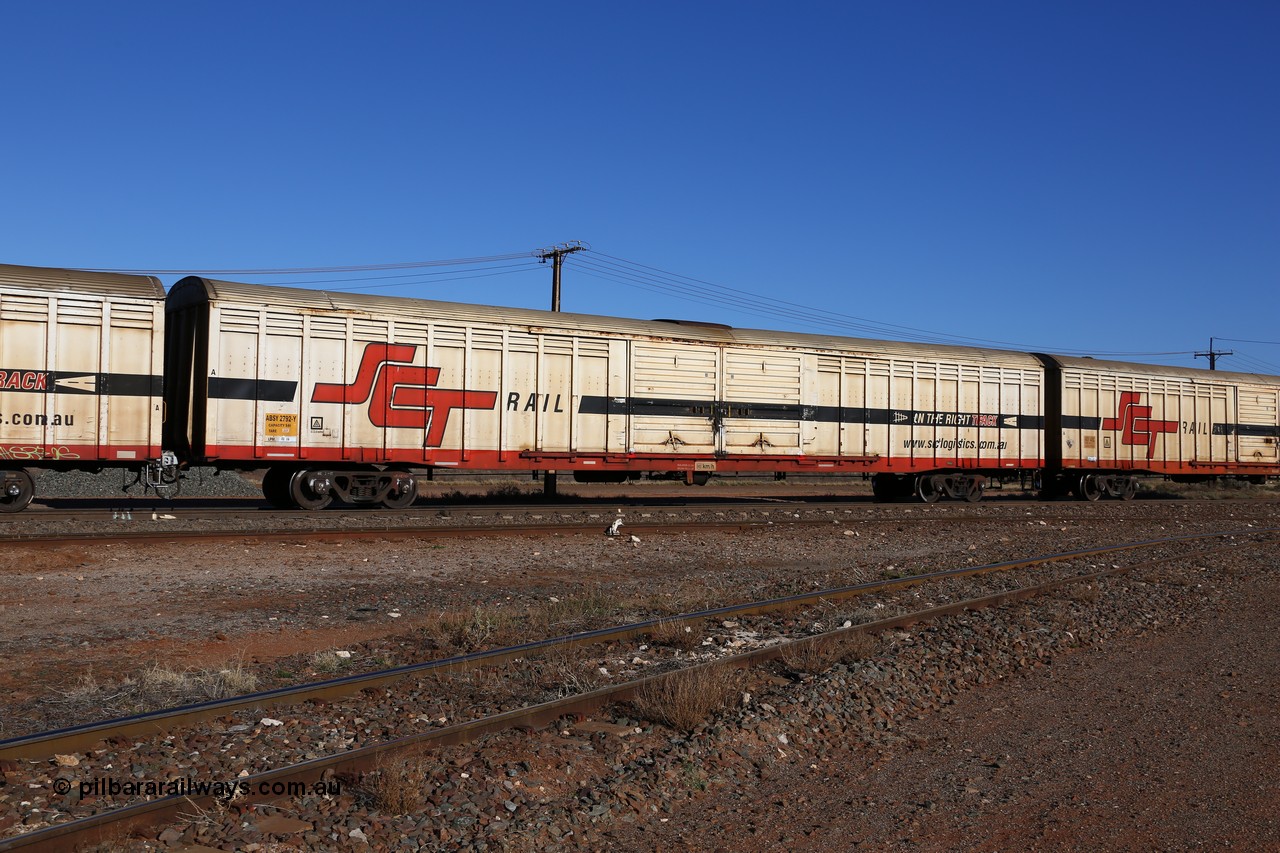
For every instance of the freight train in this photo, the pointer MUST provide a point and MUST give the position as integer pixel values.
(353, 397)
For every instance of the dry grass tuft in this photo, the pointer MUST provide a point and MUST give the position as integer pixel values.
(157, 687)
(474, 629)
(397, 784)
(574, 613)
(812, 656)
(685, 699)
(863, 615)
(821, 654)
(160, 687)
(330, 661)
(675, 635)
(859, 646)
(560, 672)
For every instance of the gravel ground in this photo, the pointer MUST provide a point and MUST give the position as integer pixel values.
(809, 741)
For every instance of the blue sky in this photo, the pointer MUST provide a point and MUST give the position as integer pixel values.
(1084, 177)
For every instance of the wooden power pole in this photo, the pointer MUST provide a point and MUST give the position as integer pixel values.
(1213, 354)
(556, 255)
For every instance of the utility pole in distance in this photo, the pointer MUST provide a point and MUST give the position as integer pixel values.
(556, 255)
(1213, 354)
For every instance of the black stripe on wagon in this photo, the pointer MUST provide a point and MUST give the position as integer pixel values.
(267, 390)
(75, 382)
(1248, 430)
(1081, 422)
(643, 406)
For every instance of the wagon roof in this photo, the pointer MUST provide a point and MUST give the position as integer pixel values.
(192, 289)
(1097, 365)
(81, 282)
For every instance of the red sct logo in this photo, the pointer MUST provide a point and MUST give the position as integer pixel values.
(402, 395)
(1135, 423)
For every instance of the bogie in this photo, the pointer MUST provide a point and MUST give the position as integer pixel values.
(16, 490)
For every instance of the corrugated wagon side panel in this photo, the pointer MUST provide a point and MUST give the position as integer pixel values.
(1159, 422)
(80, 414)
(1259, 424)
(131, 411)
(79, 378)
(231, 414)
(674, 391)
(277, 411)
(24, 355)
(325, 362)
(762, 389)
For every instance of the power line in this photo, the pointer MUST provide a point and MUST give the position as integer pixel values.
(1260, 365)
(522, 268)
(1247, 341)
(415, 277)
(696, 290)
(313, 270)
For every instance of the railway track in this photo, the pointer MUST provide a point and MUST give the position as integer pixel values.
(365, 756)
(211, 523)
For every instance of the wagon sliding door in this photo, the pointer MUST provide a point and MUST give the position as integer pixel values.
(1258, 418)
(762, 402)
(674, 395)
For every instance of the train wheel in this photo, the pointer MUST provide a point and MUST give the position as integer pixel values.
(927, 488)
(16, 491)
(275, 488)
(404, 496)
(884, 487)
(1088, 489)
(1129, 489)
(303, 495)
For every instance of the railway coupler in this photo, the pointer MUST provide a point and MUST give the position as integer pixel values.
(160, 476)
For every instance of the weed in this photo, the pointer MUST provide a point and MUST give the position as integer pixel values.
(396, 784)
(675, 635)
(573, 613)
(562, 672)
(330, 661)
(859, 646)
(694, 777)
(813, 656)
(686, 698)
(159, 687)
(470, 630)
(863, 615)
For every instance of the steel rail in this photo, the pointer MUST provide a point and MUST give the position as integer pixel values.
(78, 738)
(434, 532)
(384, 530)
(169, 809)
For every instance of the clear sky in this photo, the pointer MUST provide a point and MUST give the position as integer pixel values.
(1095, 177)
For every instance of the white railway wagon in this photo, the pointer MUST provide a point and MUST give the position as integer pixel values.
(346, 395)
(81, 358)
(1116, 420)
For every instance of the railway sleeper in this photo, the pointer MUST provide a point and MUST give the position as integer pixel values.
(316, 488)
